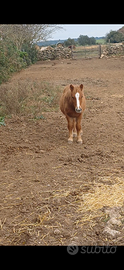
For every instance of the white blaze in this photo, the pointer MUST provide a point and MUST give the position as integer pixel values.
(77, 99)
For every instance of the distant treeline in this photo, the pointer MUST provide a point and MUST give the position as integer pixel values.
(70, 41)
(111, 37)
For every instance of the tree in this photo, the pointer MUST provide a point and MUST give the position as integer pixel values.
(92, 41)
(121, 30)
(85, 40)
(27, 33)
(17, 48)
(69, 42)
(114, 36)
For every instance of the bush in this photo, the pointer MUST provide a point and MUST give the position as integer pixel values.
(30, 53)
(12, 59)
(114, 37)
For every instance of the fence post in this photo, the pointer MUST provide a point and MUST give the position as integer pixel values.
(100, 51)
(72, 51)
(85, 50)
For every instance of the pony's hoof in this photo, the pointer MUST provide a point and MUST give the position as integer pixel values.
(70, 141)
(79, 142)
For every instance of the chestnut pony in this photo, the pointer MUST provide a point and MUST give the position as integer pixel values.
(72, 104)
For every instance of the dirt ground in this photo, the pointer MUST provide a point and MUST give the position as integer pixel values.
(46, 182)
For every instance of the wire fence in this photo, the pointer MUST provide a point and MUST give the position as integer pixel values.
(87, 52)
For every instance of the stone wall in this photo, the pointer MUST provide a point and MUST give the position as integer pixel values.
(54, 53)
(112, 50)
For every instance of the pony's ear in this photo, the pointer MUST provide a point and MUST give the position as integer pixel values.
(81, 87)
(71, 87)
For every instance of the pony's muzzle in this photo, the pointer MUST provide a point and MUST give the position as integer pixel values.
(78, 110)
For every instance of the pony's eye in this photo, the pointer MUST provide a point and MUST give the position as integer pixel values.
(82, 96)
(72, 97)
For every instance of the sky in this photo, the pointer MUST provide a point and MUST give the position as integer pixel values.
(91, 30)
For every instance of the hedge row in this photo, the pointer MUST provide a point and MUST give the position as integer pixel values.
(12, 60)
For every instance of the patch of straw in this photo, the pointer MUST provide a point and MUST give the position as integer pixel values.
(104, 195)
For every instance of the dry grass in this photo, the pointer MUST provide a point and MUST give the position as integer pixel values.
(81, 48)
(27, 98)
(91, 203)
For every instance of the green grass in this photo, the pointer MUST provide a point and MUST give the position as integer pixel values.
(100, 41)
(2, 121)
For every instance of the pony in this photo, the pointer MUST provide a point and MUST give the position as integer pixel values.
(72, 105)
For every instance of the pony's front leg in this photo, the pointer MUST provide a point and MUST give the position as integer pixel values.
(70, 128)
(74, 128)
(79, 130)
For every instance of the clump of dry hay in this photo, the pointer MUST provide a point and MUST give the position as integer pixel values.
(103, 195)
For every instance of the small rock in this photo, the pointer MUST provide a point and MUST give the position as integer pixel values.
(56, 231)
(114, 221)
(74, 241)
(112, 232)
